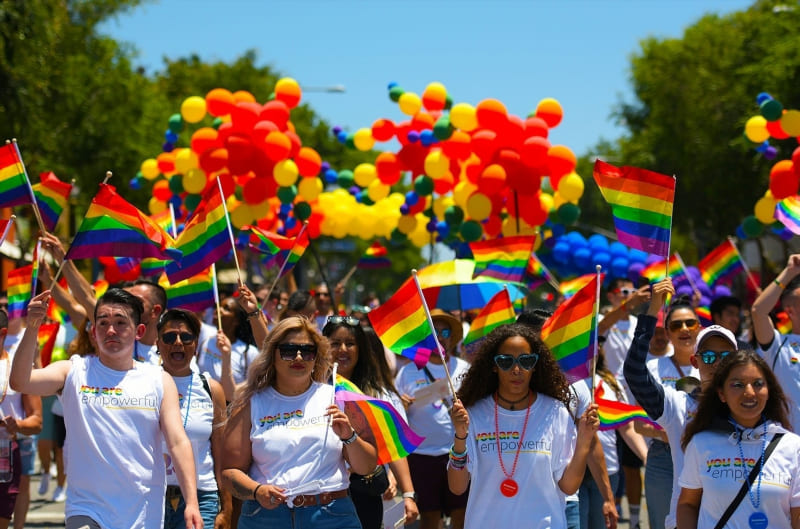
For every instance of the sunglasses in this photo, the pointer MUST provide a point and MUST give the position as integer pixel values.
(288, 351)
(711, 357)
(443, 333)
(625, 291)
(525, 362)
(677, 325)
(347, 320)
(169, 338)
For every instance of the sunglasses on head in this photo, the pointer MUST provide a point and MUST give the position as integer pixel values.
(690, 324)
(711, 357)
(288, 351)
(525, 362)
(347, 320)
(169, 338)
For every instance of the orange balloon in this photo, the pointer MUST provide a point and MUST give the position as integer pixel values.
(457, 146)
(219, 102)
(261, 129)
(550, 111)
(166, 162)
(492, 179)
(212, 161)
(161, 190)
(288, 91)
(444, 183)
(308, 161)
(560, 161)
(422, 121)
(491, 114)
(383, 129)
(243, 96)
(276, 112)
(387, 168)
(277, 146)
(204, 139)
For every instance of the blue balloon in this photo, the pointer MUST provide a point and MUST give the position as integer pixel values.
(761, 97)
(285, 208)
(762, 147)
(168, 147)
(426, 138)
(412, 198)
(443, 228)
(598, 241)
(391, 85)
(135, 183)
(176, 202)
(290, 223)
(617, 249)
(601, 258)
(619, 267)
(561, 252)
(558, 229)
(637, 256)
(330, 176)
(550, 242)
(576, 240)
(342, 136)
(171, 137)
(582, 258)
(740, 232)
(404, 209)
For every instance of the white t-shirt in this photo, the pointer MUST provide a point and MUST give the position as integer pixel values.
(146, 353)
(12, 401)
(783, 356)
(713, 463)
(115, 469)
(211, 359)
(197, 415)
(663, 370)
(293, 444)
(431, 421)
(618, 340)
(547, 448)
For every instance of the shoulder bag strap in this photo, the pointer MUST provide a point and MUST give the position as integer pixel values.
(746, 485)
(778, 353)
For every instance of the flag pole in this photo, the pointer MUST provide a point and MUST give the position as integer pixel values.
(283, 265)
(333, 381)
(439, 348)
(744, 265)
(596, 339)
(343, 281)
(108, 177)
(36, 256)
(11, 221)
(172, 223)
(550, 278)
(216, 295)
(58, 273)
(36, 212)
(230, 231)
(685, 272)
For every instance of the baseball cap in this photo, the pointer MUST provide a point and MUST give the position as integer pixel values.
(716, 330)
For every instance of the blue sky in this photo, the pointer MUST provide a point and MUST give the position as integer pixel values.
(517, 51)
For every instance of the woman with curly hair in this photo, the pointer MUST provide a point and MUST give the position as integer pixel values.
(513, 430)
(739, 419)
(287, 444)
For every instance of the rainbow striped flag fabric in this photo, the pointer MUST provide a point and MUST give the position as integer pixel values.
(194, 294)
(536, 273)
(116, 228)
(783, 323)
(51, 197)
(499, 311)
(505, 259)
(656, 271)
(641, 203)
(204, 240)
(281, 252)
(704, 315)
(569, 332)
(788, 212)
(402, 324)
(374, 257)
(613, 413)
(56, 313)
(19, 291)
(571, 287)
(100, 287)
(394, 438)
(48, 332)
(721, 264)
(152, 267)
(14, 186)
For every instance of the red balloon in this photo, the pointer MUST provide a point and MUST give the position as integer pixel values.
(483, 143)
(457, 146)
(262, 129)
(422, 121)
(776, 130)
(213, 160)
(308, 162)
(533, 152)
(512, 134)
(387, 166)
(492, 180)
(491, 114)
(255, 191)
(277, 145)
(240, 153)
(536, 126)
(473, 171)
(530, 209)
(796, 161)
(224, 130)
(296, 143)
(314, 228)
(276, 112)
(219, 102)
(560, 161)
(204, 139)
(493, 226)
(383, 129)
(412, 158)
(443, 184)
(783, 181)
(228, 184)
(244, 116)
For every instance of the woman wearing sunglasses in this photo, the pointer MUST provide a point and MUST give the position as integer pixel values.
(203, 414)
(287, 444)
(739, 419)
(665, 404)
(515, 442)
(358, 363)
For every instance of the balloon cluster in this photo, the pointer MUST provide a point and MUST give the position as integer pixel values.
(572, 254)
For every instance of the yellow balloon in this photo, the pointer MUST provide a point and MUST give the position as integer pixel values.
(558, 200)
(462, 191)
(309, 188)
(232, 202)
(436, 164)
(479, 207)
(285, 173)
(410, 103)
(260, 210)
(156, 206)
(364, 174)
(194, 181)
(377, 190)
(756, 129)
(420, 238)
(441, 204)
(406, 224)
(764, 210)
(193, 109)
(571, 187)
(242, 215)
(462, 116)
(790, 122)
(509, 227)
(149, 169)
(186, 159)
(546, 200)
(363, 139)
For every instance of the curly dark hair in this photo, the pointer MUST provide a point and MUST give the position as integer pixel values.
(711, 407)
(481, 379)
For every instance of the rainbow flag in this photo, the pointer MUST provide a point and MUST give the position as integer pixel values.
(402, 324)
(56, 313)
(536, 273)
(394, 438)
(19, 291)
(100, 287)
(194, 294)
(788, 212)
(505, 259)
(275, 247)
(119, 269)
(152, 267)
(783, 323)
(704, 314)
(51, 197)
(114, 227)
(614, 414)
(571, 287)
(374, 257)
(48, 332)
(721, 264)
(164, 219)
(641, 203)
(655, 272)
(499, 311)
(569, 332)
(14, 186)
(205, 238)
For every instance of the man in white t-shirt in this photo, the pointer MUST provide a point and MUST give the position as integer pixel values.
(117, 412)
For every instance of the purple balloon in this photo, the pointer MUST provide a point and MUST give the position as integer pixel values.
(705, 301)
(770, 153)
(336, 130)
(684, 290)
(324, 166)
(653, 258)
(635, 271)
(721, 290)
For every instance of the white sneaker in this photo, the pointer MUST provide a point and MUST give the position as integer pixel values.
(60, 495)
(44, 484)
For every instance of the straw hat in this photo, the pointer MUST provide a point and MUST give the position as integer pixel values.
(456, 330)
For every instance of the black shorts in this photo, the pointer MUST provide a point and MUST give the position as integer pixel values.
(429, 476)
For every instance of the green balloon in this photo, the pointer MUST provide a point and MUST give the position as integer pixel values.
(176, 184)
(471, 231)
(398, 237)
(423, 185)
(350, 141)
(442, 129)
(395, 92)
(752, 227)
(216, 123)
(302, 210)
(287, 194)
(345, 179)
(191, 201)
(175, 123)
(771, 109)
(568, 213)
(271, 96)
(448, 102)
(238, 192)
(453, 216)
(366, 200)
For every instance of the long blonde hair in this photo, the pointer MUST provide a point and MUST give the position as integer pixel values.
(262, 374)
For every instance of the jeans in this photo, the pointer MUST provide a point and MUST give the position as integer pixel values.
(338, 514)
(591, 502)
(208, 501)
(658, 483)
(573, 513)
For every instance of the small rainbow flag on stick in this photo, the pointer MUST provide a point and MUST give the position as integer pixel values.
(374, 257)
(656, 271)
(499, 311)
(19, 291)
(14, 187)
(51, 197)
(505, 259)
(788, 212)
(571, 286)
(569, 332)
(194, 294)
(614, 414)
(394, 438)
(402, 325)
(48, 332)
(721, 264)
(641, 202)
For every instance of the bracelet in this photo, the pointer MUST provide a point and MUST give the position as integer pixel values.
(778, 282)
(253, 314)
(460, 438)
(457, 455)
(255, 491)
(350, 440)
(412, 495)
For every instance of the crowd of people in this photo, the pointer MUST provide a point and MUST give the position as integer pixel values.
(227, 418)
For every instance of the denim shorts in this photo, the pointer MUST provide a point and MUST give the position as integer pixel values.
(208, 501)
(338, 514)
(27, 451)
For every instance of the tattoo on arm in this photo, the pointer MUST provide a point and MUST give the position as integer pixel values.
(242, 492)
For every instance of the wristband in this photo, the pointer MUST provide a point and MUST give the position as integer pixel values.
(350, 440)
(410, 495)
(780, 285)
(253, 314)
(255, 491)
(460, 438)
